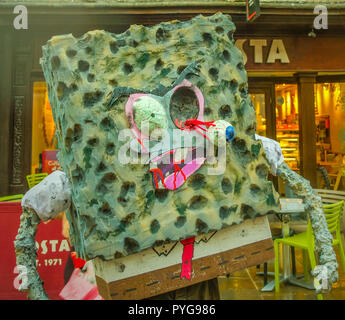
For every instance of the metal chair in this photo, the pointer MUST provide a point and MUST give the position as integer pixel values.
(35, 178)
(15, 197)
(306, 241)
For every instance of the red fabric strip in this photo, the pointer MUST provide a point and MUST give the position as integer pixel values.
(187, 255)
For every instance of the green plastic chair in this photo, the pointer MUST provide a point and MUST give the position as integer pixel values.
(35, 178)
(306, 242)
(15, 197)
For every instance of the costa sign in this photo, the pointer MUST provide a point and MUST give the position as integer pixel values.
(302, 53)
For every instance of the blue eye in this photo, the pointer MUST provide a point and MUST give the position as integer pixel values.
(229, 133)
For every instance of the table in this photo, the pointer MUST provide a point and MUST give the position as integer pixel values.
(288, 207)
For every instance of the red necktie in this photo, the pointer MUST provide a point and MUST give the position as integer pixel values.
(187, 255)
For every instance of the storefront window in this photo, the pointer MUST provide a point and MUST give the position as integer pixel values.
(43, 152)
(287, 127)
(258, 100)
(330, 131)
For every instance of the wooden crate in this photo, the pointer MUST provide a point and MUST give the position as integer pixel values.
(157, 270)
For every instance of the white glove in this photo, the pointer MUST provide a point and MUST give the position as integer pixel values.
(50, 197)
(273, 152)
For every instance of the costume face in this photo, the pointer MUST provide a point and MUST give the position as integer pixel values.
(139, 117)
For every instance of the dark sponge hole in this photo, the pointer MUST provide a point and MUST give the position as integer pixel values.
(225, 111)
(201, 226)
(83, 65)
(262, 171)
(154, 227)
(91, 98)
(233, 85)
(230, 35)
(131, 245)
(213, 73)
(197, 202)
(77, 132)
(226, 55)
(207, 38)
(162, 35)
(118, 255)
(122, 201)
(243, 91)
(93, 142)
(107, 124)
(255, 149)
(113, 47)
(239, 145)
(55, 62)
(240, 66)
(159, 64)
(110, 149)
(70, 53)
(88, 50)
(219, 30)
(133, 43)
(207, 111)
(101, 188)
(127, 220)
(180, 221)
(251, 129)
(247, 211)
(121, 43)
(105, 209)
(127, 68)
(113, 82)
(62, 90)
(254, 189)
(91, 77)
(161, 194)
(77, 175)
(109, 177)
(226, 185)
(68, 139)
(225, 211)
(101, 167)
(197, 181)
(73, 87)
(181, 68)
(127, 186)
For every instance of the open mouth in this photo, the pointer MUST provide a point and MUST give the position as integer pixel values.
(172, 168)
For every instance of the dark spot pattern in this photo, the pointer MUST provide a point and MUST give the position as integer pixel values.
(180, 221)
(83, 65)
(226, 185)
(201, 226)
(154, 227)
(197, 202)
(131, 245)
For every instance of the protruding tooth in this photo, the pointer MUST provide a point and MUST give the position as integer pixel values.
(153, 165)
(180, 154)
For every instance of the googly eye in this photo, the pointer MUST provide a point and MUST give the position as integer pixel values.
(229, 133)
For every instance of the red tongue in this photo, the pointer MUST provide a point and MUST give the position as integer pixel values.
(187, 255)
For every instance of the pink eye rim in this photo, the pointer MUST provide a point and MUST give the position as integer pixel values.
(187, 84)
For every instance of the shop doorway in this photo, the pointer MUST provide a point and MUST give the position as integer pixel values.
(277, 115)
(330, 134)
